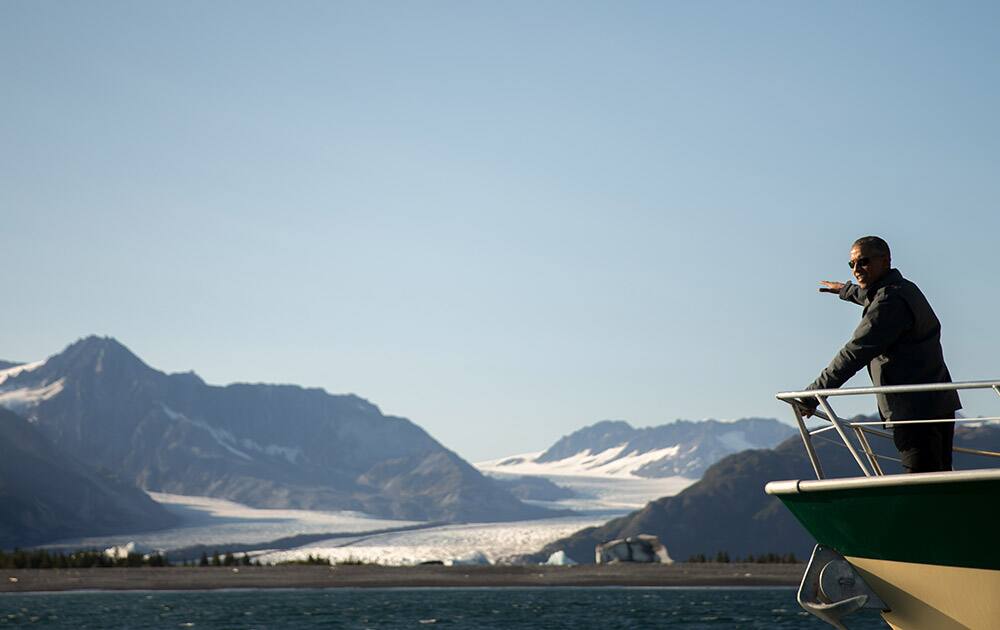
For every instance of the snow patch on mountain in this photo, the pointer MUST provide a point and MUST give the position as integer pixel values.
(273, 450)
(607, 463)
(17, 369)
(230, 442)
(17, 400)
(223, 438)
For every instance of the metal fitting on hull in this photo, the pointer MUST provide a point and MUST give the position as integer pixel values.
(831, 589)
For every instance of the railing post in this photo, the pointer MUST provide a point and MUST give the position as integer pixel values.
(843, 434)
(807, 441)
(872, 459)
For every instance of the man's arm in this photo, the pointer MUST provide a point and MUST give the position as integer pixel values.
(887, 318)
(848, 291)
(852, 293)
(875, 333)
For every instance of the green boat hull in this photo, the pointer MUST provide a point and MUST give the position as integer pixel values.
(942, 523)
(924, 543)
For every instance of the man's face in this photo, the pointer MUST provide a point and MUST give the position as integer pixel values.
(868, 266)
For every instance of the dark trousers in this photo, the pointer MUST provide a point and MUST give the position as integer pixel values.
(925, 447)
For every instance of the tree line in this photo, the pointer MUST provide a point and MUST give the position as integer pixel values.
(45, 559)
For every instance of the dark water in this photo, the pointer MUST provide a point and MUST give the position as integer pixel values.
(569, 608)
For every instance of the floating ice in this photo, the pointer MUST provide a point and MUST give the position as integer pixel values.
(560, 559)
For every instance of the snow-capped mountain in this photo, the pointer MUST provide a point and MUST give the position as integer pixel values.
(611, 467)
(277, 446)
(616, 449)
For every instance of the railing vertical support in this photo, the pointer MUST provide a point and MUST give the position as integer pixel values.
(807, 441)
(872, 459)
(838, 425)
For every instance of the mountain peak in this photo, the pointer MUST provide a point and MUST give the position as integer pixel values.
(96, 342)
(597, 437)
(605, 425)
(682, 447)
(94, 353)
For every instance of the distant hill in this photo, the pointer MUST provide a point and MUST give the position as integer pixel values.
(536, 489)
(8, 364)
(727, 510)
(263, 445)
(614, 448)
(47, 494)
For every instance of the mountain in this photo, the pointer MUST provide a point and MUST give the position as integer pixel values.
(47, 494)
(727, 509)
(615, 448)
(8, 364)
(263, 445)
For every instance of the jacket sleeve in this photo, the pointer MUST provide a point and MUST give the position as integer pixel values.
(887, 318)
(852, 293)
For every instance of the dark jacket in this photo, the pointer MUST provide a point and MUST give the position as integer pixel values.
(899, 339)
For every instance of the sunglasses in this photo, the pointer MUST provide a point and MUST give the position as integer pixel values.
(861, 262)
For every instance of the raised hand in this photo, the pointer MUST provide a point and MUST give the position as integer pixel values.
(830, 287)
(807, 406)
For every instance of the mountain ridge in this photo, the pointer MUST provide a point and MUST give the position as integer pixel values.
(682, 448)
(263, 445)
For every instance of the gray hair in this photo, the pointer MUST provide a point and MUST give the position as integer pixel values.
(873, 245)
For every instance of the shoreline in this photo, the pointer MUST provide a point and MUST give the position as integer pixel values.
(374, 576)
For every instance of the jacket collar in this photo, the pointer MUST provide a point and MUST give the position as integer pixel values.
(892, 276)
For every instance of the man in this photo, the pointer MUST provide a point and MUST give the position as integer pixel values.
(899, 339)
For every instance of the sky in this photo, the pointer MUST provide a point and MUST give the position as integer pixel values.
(502, 220)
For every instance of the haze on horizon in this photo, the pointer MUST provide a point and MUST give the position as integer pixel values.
(503, 221)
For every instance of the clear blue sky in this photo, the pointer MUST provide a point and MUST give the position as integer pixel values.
(503, 220)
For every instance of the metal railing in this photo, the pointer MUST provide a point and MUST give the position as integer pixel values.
(866, 458)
